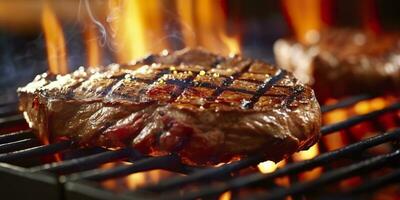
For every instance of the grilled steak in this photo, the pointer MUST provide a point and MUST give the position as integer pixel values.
(344, 62)
(206, 108)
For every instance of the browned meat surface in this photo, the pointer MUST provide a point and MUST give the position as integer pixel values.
(344, 62)
(206, 108)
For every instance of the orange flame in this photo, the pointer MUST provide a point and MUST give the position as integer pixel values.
(306, 155)
(226, 196)
(92, 46)
(270, 166)
(305, 18)
(204, 24)
(137, 28)
(55, 43)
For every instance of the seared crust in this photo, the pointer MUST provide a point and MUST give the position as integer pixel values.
(207, 108)
(344, 62)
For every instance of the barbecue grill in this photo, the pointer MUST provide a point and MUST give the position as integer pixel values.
(30, 169)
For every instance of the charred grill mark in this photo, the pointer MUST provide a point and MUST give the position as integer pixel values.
(208, 85)
(264, 88)
(188, 82)
(49, 78)
(147, 81)
(296, 91)
(217, 62)
(116, 80)
(149, 59)
(182, 85)
(251, 81)
(70, 94)
(228, 81)
(161, 74)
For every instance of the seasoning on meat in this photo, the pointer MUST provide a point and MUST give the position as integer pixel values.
(204, 107)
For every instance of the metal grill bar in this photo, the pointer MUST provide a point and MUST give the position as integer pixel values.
(357, 119)
(374, 184)
(7, 104)
(6, 121)
(331, 176)
(8, 110)
(205, 174)
(35, 151)
(346, 102)
(162, 162)
(87, 161)
(292, 168)
(16, 136)
(178, 181)
(19, 144)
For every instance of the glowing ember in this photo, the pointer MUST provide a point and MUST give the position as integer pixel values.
(55, 43)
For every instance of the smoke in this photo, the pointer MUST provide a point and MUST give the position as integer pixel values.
(101, 28)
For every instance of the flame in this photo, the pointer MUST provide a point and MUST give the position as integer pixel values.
(92, 46)
(226, 196)
(334, 140)
(270, 166)
(204, 24)
(306, 155)
(135, 180)
(55, 42)
(137, 28)
(367, 106)
(305, 17)
(359, 131)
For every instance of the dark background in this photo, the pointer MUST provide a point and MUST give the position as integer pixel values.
(23, 52)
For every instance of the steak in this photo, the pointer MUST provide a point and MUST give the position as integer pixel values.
(344, 62)
(201, 106)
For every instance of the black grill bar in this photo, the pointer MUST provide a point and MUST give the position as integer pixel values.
(8, 104)
(334, 175)
(292, 168)
(347, 102)
(226, 169)
(88, 162)
(23, 139)
(19, 144)
(161, 162)
(206, 174)
(374, 184)
(35, 151)
(6, 121)
(16, 136)
(8, 110)
(357, 119)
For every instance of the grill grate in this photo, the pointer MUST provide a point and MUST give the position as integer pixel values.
(75, 178)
